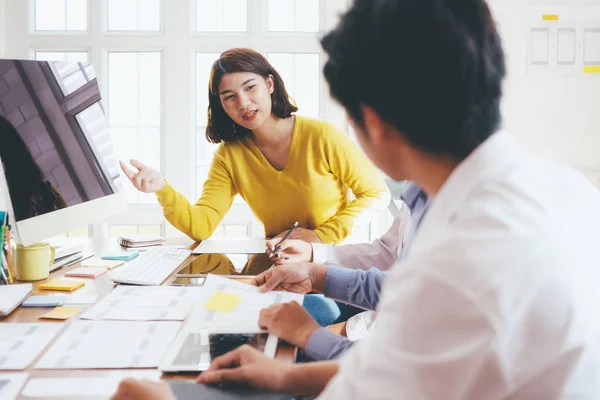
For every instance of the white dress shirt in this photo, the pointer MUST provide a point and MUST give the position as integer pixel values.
(381, 253)
(498, 295)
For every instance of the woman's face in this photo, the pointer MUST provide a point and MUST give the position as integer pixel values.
(246, 98)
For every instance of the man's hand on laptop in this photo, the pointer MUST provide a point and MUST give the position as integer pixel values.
(289, 251)
(296, 278)
(290, 322)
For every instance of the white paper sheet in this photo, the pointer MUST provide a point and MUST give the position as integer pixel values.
(146, 303)
(104, 386)
(77, 298)
(231, 246)
(244, 318)
(21, 343)
(110, 344)
(11, 384)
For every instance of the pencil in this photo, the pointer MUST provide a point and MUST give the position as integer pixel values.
(8, 254)
(287, 235)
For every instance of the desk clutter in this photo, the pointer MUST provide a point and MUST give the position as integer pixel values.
(133, 327)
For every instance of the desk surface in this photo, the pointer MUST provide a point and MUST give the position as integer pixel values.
(100, 286)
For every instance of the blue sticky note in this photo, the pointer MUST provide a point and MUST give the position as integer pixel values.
(44, 301)
(122, 255)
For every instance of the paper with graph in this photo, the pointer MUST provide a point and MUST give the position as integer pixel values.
(21, 343)
(110, 344)
(231, 305)
(146, 303)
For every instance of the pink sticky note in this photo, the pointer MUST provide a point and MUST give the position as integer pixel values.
(86, 272)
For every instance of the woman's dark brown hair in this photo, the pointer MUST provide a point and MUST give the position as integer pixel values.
(220, 127)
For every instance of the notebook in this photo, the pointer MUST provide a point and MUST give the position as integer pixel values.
(108, 264)
(140, 240)
(11, 296)
(86, 272)
(61, 284)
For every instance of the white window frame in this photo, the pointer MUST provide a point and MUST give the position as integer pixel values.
(178, 43)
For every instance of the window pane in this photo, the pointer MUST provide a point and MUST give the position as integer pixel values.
(71, 56)
(293, 15)
(301, 75)
(233, 231)
(60, 15)
(80, 232)
(122, 230)
(204, 149)
(221, 15)
(150, 230)
(134, 95)
(134, 15)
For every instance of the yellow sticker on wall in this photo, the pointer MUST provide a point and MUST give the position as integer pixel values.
(550, 17)
(591, 69)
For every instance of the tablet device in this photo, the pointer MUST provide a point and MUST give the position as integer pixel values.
(193, 351)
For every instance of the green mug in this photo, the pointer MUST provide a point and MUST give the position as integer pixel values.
(34, 262)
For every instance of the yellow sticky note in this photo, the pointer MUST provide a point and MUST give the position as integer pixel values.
(62, 313)
(61, 284)
(223, 301)
(550, 17)
(591, 69)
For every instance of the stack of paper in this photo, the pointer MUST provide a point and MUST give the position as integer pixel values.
(11, 296)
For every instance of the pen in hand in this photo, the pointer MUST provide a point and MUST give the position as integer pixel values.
(287, 235)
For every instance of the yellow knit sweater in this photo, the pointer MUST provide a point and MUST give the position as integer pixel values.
(312, 189)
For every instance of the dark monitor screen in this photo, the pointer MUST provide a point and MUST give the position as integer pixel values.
(55, 144)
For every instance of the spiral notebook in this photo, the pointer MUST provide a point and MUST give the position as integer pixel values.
(140, 240)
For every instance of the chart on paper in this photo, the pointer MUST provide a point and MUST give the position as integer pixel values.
(228, 304)
(110, 344)
(146, 303)
(21, 343)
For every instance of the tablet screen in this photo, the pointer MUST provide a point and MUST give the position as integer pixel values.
(227, 264)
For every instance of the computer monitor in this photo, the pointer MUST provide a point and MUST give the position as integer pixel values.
(59, 166)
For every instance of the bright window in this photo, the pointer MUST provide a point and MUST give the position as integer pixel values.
(134, 96)
(60, 15)
(134, 15)
(293, 15)
(221, 16)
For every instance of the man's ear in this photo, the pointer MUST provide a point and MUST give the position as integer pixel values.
(376, 128)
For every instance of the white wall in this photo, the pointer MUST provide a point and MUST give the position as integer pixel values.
(555, 116)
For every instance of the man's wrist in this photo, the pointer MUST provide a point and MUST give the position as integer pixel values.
(318, 276)
(304, 335)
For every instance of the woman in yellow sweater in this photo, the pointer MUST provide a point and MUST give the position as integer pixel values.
(286, 167)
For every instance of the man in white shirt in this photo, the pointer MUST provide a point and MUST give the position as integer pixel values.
(497, 294)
